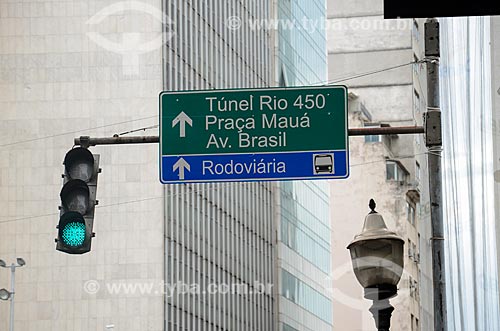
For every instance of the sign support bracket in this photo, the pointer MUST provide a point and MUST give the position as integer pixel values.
(117, 140)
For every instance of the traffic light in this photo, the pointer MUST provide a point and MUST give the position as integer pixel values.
(78, 201)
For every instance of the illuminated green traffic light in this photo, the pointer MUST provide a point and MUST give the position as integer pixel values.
(73, 234)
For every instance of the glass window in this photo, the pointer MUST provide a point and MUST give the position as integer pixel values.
(375, 138)
(417, 172)
(305, 296)
(416, 31)
(410, 208)
(395, 171)
(416, 101)
(391, 171)
(418, 247)
(305, 221)
(415, 253)
(287, 327)
(416, 66)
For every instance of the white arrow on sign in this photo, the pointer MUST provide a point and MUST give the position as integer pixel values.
(182, 165)
(182, 119)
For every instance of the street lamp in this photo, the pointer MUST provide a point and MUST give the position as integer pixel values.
(6, 295)
(377, 260)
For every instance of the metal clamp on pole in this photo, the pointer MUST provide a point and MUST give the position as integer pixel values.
(84, 141)
(432, 126)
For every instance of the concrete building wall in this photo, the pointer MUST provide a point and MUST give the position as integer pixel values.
(355, 8)
(349, 208)
(425, 230)
(56, 82)
(351, 64)
(361, 43)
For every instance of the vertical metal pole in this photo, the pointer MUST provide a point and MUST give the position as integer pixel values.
(434, 143)
(12, 293)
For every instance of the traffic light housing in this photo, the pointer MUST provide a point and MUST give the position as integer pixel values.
(78, 201)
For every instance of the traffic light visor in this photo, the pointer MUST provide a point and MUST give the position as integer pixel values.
(72, 230)
(79, 164)
(75, 196)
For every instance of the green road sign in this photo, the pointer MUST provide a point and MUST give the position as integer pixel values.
(213, 123)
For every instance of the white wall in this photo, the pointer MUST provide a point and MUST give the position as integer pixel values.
(55, 84)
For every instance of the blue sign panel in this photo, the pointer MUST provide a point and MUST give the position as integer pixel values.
(262, 166)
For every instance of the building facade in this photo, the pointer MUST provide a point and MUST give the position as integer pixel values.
(469, 99)
(303, 219)
(219, 233)
(301, 53)
(389, 169)
(304, 256)
(495, 65)
(377, 172)
(96, 68)
(63, 76)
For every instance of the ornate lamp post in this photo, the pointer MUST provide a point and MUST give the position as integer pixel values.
(377, 260)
